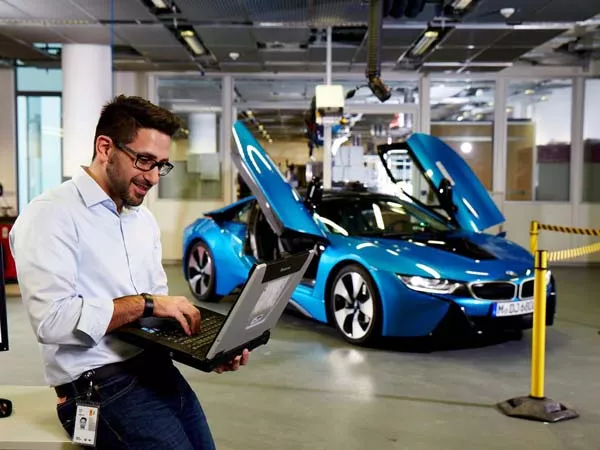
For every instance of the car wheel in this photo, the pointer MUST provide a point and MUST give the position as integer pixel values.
(200, 272)
(354, 305)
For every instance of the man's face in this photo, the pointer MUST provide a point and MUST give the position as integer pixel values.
(128, 183)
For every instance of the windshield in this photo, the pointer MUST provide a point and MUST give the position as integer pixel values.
(376, 216)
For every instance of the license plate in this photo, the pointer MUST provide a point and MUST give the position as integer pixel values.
(519, 308)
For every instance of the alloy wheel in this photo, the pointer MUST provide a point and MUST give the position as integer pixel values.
(353, 305)
(200, 271)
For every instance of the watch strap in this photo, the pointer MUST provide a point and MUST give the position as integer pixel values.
(148, 304)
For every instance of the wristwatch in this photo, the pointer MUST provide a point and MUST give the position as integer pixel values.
(148, 305)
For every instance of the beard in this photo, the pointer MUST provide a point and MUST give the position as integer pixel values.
(127, 190)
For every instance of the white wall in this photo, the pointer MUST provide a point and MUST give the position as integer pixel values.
(8, 143)
(130, 83)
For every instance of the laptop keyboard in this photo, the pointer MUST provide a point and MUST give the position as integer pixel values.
(210, 325)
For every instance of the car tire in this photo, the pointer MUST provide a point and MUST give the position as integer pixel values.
(200, 272)
(357, 316)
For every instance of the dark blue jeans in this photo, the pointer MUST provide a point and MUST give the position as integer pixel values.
(156, 409)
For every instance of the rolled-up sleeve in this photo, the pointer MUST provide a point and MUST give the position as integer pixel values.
(44, 243)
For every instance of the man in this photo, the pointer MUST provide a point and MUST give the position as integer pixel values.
(88, 259)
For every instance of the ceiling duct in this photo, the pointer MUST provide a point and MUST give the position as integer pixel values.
(377, 86)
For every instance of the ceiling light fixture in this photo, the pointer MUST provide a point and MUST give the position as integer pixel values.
(160, 4)
(192, 41)
(461, 4)
(425, 42)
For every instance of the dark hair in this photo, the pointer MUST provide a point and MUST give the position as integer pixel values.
(123, 116)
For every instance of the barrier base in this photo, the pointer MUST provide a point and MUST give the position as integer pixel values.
(541, 409)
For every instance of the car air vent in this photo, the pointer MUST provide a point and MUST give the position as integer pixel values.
(527, 289)
(494, 290)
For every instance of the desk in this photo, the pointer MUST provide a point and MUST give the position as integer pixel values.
(33, 424)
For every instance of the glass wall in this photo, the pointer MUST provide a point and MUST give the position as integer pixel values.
(539, 140)
(39, 131)
(197, 174)
(462, 114)
(591, 142)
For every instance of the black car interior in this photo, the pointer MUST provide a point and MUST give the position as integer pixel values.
(265, 245)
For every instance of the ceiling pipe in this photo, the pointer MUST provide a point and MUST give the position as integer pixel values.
(377, 86)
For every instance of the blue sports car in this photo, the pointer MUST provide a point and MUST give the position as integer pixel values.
(386, 266)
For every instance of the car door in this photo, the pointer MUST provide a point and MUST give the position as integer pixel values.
(460, 193)
(281, 204)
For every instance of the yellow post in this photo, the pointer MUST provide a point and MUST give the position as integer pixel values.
(539, 325)
(534, 231)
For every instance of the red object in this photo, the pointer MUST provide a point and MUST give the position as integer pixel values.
(10, 269)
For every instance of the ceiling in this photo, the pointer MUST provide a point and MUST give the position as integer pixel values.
(270, 37)
(288, 35)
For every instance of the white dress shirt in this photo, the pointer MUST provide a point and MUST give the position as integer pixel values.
(74, 254)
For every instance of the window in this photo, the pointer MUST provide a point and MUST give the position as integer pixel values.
(32, 79)
(195, 153)
(462, 115)
(538, 140)
(243, 215)
(591, 143)
(39, 131)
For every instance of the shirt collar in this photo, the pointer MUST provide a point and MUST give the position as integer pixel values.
(91, 192)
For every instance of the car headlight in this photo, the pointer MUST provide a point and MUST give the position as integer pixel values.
(430, 285)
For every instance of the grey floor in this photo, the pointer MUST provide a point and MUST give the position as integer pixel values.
(308, 389)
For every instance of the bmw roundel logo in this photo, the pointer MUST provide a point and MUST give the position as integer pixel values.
(510, 273)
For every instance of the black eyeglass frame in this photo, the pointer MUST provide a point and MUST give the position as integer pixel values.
(164, 167)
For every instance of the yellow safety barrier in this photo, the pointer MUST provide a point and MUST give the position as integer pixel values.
(560, 255)
(537, 406)
(538, 357)
(534, 232)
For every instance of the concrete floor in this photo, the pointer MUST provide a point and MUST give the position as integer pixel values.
(308, 389)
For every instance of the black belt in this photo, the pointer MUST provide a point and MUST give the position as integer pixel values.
(99, 374)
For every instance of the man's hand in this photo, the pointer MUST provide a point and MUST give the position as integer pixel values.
(179, 308)
(240, 360)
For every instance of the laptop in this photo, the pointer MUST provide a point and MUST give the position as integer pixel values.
(255, 310)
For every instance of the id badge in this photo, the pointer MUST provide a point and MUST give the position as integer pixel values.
(86, 423)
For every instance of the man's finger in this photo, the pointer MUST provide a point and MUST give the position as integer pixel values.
(182, 320)
(193, 321)
(245, 357)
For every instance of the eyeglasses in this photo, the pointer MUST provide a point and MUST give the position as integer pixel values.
(146, 163)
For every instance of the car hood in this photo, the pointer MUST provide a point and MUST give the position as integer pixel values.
(458, 256)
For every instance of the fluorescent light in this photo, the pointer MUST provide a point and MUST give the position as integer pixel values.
(461, 4)
(192, 41)
(425, 42)
(160, 4)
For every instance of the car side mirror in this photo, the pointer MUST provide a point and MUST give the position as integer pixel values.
(314, 194)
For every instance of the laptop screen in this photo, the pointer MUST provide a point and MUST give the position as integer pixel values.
(3, 312)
